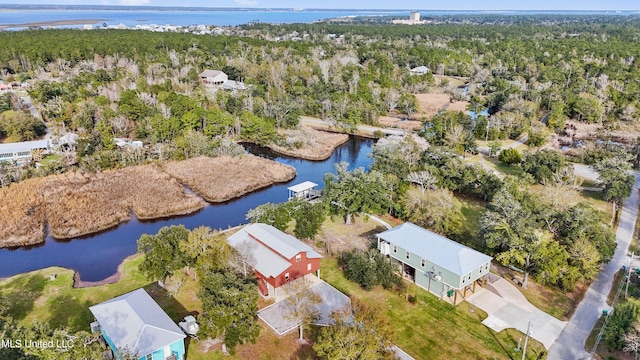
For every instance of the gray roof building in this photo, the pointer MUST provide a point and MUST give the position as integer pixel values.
(437, 249)
(444, 267)
(21, 150)
(135, 322)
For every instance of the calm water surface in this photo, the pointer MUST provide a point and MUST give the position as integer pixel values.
(97, 257)
(181, 17)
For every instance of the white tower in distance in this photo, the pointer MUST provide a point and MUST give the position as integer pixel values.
(414, 16)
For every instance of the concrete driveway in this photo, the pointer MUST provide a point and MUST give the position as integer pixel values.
(508, 308)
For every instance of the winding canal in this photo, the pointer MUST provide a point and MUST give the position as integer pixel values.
(97, 256)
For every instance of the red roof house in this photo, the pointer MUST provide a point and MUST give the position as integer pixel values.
(276, 257)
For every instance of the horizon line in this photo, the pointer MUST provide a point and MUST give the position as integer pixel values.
(306, 9)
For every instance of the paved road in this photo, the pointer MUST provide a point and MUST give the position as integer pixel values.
(26, 101)
(585, 171)
(485, 150)
(570, 344)
(364, 128)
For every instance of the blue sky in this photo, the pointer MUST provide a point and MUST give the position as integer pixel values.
(369, 4)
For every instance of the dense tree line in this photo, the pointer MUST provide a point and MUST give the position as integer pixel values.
(229, 296)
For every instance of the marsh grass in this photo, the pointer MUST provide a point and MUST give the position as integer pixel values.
(76, 204)
(223, 178)
(22, 220)
(310, 144)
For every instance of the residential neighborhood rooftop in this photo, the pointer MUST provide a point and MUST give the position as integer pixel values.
(269, 248)
(210, 73)
(135, 322)
(23, 146)
(446, 253)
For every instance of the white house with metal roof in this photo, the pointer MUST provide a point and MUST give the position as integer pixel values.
(213, 77)
(134, 324)
(420, 70)
(435, 263)
(276, 257)
(22, 151)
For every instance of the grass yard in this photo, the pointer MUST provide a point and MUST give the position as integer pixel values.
(33, 296)
(49, 158)
(553, 301)
(472, 211)
(434, 329)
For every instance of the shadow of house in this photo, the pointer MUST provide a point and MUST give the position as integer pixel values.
(134, 325)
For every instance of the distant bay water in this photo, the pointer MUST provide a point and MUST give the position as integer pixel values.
(181, 17)
(220, 17)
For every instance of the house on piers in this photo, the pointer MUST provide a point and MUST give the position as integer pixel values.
(277, 258)
(441, 266)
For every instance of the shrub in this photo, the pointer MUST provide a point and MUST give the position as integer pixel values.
(369, 268)
(510, 156)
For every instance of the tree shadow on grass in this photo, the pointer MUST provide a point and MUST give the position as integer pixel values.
(70, 312)
(23, 294)
(305, 351)
(372, 240)
(168, 303)
(171, 306)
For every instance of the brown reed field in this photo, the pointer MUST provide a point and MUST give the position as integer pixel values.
(310, 144)
(79, 205)
(223, 178)
(21, 217)
(76, 204)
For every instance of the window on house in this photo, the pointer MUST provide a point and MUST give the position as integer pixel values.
(424, 263)
(309, 267)
(286, 276)
(150, 357)
(407, 255)
(298, 258)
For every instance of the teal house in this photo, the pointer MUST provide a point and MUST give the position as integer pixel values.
(441, 266)
(134, 324)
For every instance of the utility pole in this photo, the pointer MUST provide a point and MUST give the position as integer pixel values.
(526, 339)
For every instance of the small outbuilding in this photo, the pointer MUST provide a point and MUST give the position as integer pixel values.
(134, 324)
(439, 265)
(306, 190)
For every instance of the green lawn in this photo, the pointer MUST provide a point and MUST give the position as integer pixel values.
(33, 296)
(50, 157)
(432, 328)
(472, 211)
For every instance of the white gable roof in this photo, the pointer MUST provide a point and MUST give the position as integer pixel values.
(269, 249)
(437, 249)
(24, 146)
(420, 69)
(302, 186)
(135, 322)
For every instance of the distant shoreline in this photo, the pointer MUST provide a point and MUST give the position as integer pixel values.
(55, 23)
